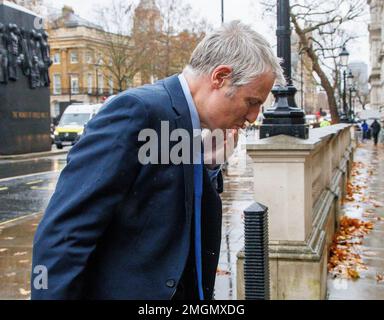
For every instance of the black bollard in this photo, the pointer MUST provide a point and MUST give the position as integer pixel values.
(256, 263)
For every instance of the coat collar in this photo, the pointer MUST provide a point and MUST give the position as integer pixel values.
(183, 121)
(179, 102)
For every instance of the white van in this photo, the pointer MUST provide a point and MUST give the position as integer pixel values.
(72, 123)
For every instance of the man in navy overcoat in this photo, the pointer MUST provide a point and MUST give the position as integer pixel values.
(118, 228)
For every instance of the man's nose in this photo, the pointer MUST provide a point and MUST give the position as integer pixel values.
(252, 114)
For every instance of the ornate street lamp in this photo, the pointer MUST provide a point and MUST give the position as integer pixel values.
(222, 11)
(344, 57)
(350, 78)
(284, 117)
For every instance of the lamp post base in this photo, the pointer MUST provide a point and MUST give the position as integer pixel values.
(295, 130)
(284, 117)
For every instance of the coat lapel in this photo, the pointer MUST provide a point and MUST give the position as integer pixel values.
(183, 121)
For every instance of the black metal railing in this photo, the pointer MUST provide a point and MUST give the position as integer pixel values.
(94, 92)
(256, 262)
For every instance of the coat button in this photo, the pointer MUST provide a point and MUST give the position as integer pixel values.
(170, 283)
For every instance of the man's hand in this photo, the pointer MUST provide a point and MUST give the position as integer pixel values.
(219, 145)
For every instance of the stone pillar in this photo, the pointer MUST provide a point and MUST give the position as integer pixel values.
(300, 183)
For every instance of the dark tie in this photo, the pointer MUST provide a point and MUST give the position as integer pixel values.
(198, 181)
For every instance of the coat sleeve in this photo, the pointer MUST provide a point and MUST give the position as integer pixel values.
(216, 177)
(101, 167)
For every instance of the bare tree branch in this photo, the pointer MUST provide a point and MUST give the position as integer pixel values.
(321, 28)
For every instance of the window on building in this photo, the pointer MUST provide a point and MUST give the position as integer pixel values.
(55, 109)
(88, 57)
(110, 85)
(56, 58)
(99, 60)
(74, 57)
(74, 84)
(56, 84)
(128, 83)
(89, 83)
(100, 83)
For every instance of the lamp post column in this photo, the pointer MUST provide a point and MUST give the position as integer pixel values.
(222, 11)
(344, 56)
(345, 108)
(284, 117)
(350, 104)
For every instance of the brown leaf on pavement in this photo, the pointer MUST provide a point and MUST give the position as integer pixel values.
(344, 258)
(353, 273)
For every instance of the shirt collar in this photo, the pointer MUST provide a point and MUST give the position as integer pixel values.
(191, 104)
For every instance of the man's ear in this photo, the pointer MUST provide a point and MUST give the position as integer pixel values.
(219, 75)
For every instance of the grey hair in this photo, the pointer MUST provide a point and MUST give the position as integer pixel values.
(237, 45)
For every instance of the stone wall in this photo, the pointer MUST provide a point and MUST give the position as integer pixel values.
(302, 183)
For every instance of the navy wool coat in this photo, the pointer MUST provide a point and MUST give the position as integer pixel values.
(115, 228)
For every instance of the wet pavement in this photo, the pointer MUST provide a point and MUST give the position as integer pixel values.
(367, 207)
(29, 193)
(24, 195)
(16, 257)
(25, 189)
(15, 168)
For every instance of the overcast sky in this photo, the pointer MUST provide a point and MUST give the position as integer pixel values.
(248, 11)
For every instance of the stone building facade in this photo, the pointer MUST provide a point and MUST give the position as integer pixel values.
(376, 39)
(77, 73)
(302, 77)
(80, 54)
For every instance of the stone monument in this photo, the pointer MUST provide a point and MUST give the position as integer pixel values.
(24, 82)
